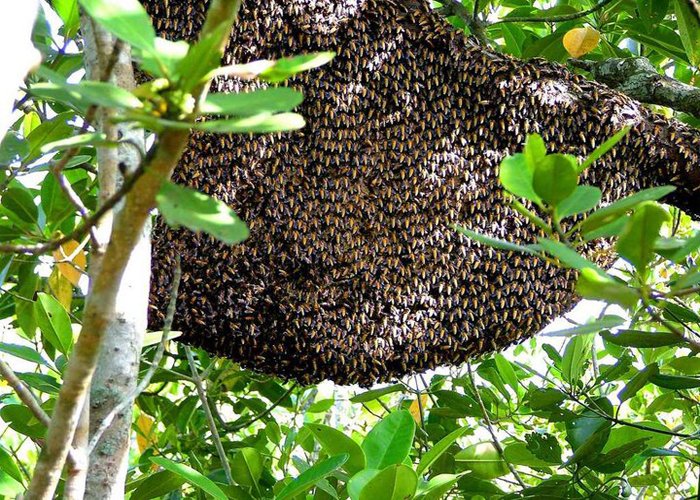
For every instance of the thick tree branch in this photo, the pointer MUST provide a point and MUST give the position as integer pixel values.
(554, 19)
(102, 300)
(638, 78)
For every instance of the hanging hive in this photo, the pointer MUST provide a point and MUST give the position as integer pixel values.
(351, 272)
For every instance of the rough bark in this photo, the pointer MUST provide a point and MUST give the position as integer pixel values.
(118, 364)
(638, 78)
(352, 271)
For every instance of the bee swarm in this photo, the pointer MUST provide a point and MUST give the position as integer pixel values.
(352, 272)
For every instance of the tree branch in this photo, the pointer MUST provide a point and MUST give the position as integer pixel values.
(638, 78)
(207, 413)
(554, 19)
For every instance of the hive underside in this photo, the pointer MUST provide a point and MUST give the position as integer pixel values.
(351, 272)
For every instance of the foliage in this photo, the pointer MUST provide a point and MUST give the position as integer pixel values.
(600, 409)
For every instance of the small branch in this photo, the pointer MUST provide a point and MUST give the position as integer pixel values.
(155, 364)
(476, 26)
(554, 19)
(638, 78)
(263, 414)
(207, 412)
(24, 394)
(489, 426)
(79, 232)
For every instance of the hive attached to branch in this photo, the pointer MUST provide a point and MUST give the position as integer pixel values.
(351, 271)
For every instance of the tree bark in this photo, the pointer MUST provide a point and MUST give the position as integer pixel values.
(118, 364)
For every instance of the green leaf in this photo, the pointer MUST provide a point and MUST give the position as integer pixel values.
(518, 454)
(166, 57)
(182, 206)
(335, 442)
(126, 19)
(583, 199)
(24, 352)
(506, 371)
(641, 339)
(593, 285)
(311, 476)
(604, 148)
(609, 214)
(54, 202)
(535, 151)
(390, 441)
(13, 148)
(396, 482)
(685, 248)
(8, 465)
(493, 242)
(516, 176)
(687, 365)
(544, 446)
(607, 321)
(69, 14)
(21, 203)
(674, 381)
(359, 481)
(272, 100)
(483, 460)
(200, 60)
(247, 467)
(636, 242)
(290, 66)
(51, 130)
(373, 394)
(555, 178)
(262, 123)
(191, 476)
(577, 353)
(157, 485)
(10, 487)
(54, 322)
(688, 27)
(437, 487)
(438, 449)
(636, 383)
(543, 398)
(84, 94)
(588, 433)
(567, 256)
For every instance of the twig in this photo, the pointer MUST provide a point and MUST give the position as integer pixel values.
(242, 425)
(475, 25)
(155, 364)
(83, 229)
(207, 412)
(554, 19)
(489, 426)
(24, 394)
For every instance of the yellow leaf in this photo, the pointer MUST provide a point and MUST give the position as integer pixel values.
(71, 261)
(61, 288)
(580, 41)
(415, 408)
(144, 434)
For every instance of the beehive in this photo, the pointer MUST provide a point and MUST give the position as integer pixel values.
(351, 272)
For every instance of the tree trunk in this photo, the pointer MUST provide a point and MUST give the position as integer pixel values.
(117, 369)
(352, 271)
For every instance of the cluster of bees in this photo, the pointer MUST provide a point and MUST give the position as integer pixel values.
(352, 271)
